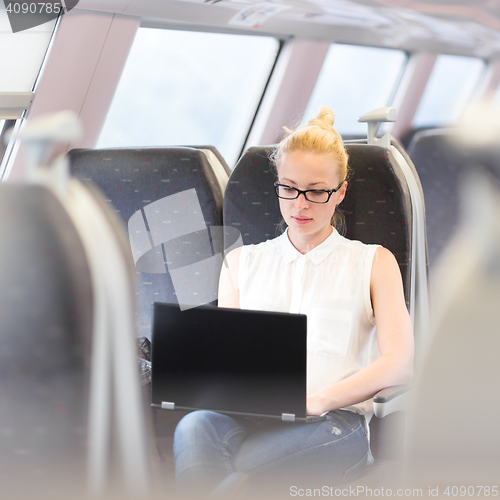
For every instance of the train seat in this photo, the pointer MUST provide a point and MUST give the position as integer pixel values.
(68, 373)
(211, 152)
(45, 324)
(453, 433)
(378, 208)
(171, 200)
(440, 168)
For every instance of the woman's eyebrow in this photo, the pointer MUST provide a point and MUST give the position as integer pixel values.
(309, 185)
(316, 183)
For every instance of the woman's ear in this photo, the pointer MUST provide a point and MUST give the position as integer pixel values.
(341, 193)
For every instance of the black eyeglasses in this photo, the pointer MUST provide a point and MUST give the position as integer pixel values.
(312, 195)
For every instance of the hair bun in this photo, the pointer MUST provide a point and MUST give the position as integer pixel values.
(324, 119)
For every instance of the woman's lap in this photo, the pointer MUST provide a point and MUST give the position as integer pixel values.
(340, 439)
(269, 452)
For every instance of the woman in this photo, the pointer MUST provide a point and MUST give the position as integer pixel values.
(360, 336)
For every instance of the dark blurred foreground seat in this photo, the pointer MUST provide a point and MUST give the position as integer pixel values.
(71, 422)
(453, 434)
(64, 330)
(45, 336)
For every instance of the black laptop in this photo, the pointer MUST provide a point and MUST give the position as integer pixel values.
(234, 361)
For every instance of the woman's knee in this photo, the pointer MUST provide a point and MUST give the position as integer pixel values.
(194, 420)
(195, 425)
(205, 427)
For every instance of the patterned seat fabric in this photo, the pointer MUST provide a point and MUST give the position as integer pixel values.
(377, 205)
(441, 168)
(397, 145)
(250, 203)
(171, 201)
(45, 330)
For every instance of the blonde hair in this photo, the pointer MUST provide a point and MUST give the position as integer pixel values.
(317, 136)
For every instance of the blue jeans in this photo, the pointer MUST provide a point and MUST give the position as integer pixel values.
(210, 446)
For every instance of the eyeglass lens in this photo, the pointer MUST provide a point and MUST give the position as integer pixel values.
(290, 193)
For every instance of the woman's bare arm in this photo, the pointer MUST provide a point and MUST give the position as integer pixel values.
(395, 341)
(229, 293)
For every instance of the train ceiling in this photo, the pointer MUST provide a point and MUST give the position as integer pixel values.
(470, 27)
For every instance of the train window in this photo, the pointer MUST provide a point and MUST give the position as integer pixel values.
(354, 80)
(6, 145)
(21, 57)
(181, 87)
(451, 84)
(21, 54)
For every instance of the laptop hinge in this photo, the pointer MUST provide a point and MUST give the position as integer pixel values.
(288, 417)
(167, 406)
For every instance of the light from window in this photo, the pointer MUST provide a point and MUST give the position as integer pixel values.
(21, 57)
(451, 85)
(189, 88)
(21, 54)
(354, 80)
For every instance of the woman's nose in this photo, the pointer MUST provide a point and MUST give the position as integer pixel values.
(301, 200)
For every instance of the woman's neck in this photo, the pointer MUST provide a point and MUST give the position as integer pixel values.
(304, 243)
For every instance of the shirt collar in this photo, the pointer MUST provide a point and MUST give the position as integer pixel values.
(316, 255)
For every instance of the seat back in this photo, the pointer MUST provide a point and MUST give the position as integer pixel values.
(440, 168)
(216, 154)
(67, 324)
(378, 205)
(453, 432)
(69, 381)
(46, 315)
(171, 201)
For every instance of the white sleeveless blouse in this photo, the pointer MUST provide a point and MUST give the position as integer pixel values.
(331, 285)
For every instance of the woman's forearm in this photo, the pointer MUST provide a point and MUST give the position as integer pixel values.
(388, 370)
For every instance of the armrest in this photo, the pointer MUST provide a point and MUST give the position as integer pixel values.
(391, 399)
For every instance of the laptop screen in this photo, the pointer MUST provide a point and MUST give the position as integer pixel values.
(229, 360)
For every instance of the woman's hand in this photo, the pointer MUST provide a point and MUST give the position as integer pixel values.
(317, 405)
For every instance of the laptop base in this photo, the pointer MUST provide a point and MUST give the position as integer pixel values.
(285, 417)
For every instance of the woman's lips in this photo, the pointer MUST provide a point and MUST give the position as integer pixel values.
(301, 220)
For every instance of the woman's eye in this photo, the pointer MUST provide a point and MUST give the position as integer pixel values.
(288, 189)
(318, 192)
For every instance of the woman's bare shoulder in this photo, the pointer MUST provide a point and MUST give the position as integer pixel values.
(233, 257)
(384, 257)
